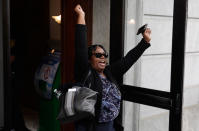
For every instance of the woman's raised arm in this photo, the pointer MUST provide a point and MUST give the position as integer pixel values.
(81, 48)
(80, 15)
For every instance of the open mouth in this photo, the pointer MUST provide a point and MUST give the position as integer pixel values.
(102, 63)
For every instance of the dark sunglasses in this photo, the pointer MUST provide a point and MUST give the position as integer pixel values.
(99, 55)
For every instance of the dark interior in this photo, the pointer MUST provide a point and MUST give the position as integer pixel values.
(30, 31)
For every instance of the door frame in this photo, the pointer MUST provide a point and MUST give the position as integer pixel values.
(172, 100)
(1, 70)
(7, 91)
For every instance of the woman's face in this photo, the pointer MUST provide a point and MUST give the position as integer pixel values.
(98, 59)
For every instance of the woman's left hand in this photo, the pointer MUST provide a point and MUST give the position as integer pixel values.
(147, 35)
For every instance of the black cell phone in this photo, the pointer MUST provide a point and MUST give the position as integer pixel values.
(142, 29)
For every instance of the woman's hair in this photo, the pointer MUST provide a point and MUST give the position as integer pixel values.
(93, 48)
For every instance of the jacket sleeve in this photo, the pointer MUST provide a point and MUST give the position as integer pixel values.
(119, 68)
(81, 51)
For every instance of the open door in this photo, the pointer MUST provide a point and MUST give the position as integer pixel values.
(131, 14)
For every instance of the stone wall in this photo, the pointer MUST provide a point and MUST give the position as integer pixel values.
(101, 23)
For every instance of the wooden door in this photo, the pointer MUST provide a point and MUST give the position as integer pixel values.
(68, 31)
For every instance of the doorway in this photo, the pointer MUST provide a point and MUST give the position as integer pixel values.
(30, 41)
(28, 24)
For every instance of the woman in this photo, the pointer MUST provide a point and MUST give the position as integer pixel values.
(103, 77)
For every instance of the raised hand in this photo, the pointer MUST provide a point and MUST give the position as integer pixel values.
(80, 15)
(147, 35)
(78, 9)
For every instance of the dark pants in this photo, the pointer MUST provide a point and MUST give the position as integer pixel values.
(84, 126)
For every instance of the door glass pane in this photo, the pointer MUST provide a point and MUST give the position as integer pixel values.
(154, 67)
(144, 118)
(153, 119)
(191, 75)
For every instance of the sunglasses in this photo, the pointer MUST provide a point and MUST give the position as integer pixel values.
(99, 55)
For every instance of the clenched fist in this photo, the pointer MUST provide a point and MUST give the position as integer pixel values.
(78, 9)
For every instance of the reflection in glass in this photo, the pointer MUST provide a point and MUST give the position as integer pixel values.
(153, 69)
(153, 119)
(191, 71)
